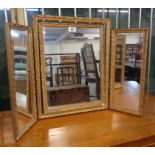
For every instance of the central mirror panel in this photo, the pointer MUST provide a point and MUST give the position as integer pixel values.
(70, 66)
(72, 58)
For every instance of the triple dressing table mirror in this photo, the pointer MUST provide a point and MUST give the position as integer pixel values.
(71, 57)
(21, 77)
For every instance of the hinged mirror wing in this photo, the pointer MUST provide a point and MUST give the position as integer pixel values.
(20, 64)
(128, 70)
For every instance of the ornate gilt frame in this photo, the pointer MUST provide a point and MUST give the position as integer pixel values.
(30, 78)
(74, 20)
(143, 68)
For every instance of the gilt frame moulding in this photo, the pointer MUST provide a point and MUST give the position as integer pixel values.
(30, 79)
(69, 20)
(143, 69)
(43, 76)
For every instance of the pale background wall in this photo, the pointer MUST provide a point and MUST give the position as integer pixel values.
(71, 46)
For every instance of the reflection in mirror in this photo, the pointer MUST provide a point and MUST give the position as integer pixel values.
(72, 64)
(128, 62)
(21, 67)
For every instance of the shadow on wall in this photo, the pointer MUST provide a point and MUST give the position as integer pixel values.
(4, 84)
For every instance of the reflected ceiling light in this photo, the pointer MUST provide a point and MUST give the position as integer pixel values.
(14, 34)
(113, 11)
(124, 11)
(100, 10)
(33, 9)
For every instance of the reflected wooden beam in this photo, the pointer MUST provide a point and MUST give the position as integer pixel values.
(18, 16)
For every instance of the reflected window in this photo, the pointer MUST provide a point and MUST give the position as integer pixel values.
(2, 15)
(134, 17)
(111, 13)
(51, 11)
(123, 18)
(152, 57)
(4, 93)
(97, 12)
(31, 12)
(82, 12)
(67, 11)
(145, 21)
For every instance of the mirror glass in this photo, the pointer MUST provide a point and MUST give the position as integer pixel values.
(72, 64)
(128, 62)
(21, 64)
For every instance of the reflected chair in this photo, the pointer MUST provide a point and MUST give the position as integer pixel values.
(90, 67)
(49, 72)
(69, 71)
(65, 75)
